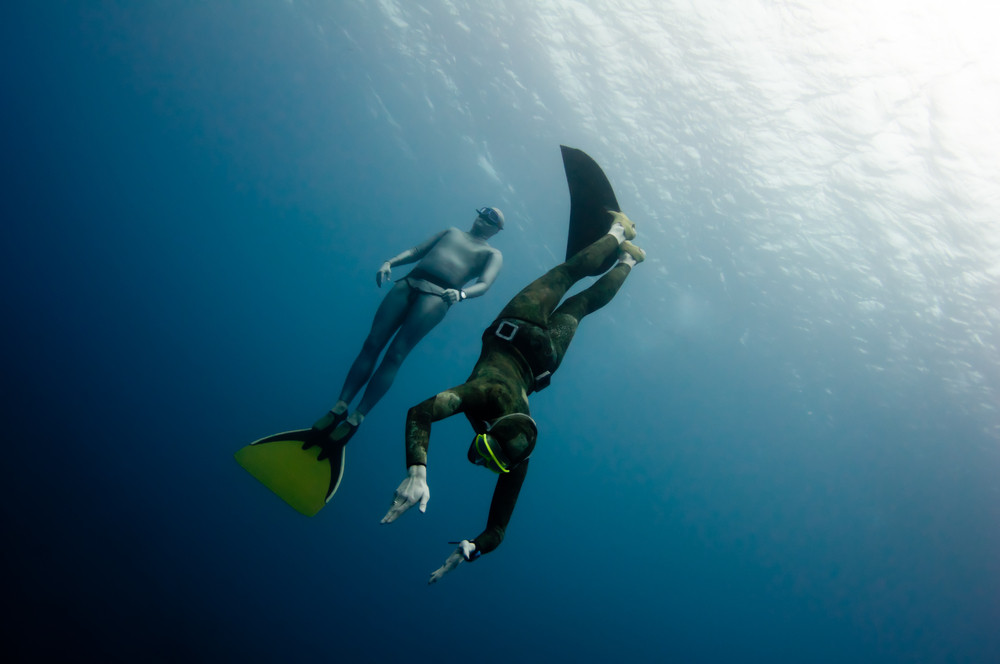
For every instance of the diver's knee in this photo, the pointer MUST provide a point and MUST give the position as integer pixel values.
(394, 356)
(374, 343)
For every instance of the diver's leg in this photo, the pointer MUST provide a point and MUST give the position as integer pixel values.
(388, 318)
(565, 319)
(540, 297)
(426, 312)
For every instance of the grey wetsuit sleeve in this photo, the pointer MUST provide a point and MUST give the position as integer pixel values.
(488, 276)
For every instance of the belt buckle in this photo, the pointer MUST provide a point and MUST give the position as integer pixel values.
(542, 380)
(506, 333)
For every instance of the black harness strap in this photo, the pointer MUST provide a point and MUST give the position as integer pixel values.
(532, 344)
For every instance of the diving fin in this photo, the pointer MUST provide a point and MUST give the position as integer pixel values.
(297, 475)
(591, 198)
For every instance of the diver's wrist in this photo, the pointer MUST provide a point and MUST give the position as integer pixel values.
(462, 295)
(470, 551)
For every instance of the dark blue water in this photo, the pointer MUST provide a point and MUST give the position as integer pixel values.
(779, 443)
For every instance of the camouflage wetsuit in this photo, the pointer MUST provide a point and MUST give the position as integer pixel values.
(504, 377)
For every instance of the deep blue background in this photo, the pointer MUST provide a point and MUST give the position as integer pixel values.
(196, 199)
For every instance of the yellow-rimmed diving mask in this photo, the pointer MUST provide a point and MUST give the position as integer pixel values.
(488, 454)
(505, 444)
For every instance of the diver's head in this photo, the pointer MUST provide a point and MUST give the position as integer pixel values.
(507, 443)
(490, 219)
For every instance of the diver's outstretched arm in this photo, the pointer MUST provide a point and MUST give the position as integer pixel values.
(501, 508)
(414, 489)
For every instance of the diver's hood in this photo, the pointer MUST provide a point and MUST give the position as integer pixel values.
(516, 433)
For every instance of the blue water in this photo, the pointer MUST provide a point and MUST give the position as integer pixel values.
(779, 443)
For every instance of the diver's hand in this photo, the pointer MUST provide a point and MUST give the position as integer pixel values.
(384, 274)
(451, 295)
(462, 553)
(412, 490)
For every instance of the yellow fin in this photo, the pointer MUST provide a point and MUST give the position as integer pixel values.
(296, 475)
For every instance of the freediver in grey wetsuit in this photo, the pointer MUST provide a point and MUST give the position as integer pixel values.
(416, 303)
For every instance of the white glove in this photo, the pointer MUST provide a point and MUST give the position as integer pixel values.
(462, 553)
(412, 490)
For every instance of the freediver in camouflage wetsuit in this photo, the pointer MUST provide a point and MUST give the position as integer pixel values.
(521, 349)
